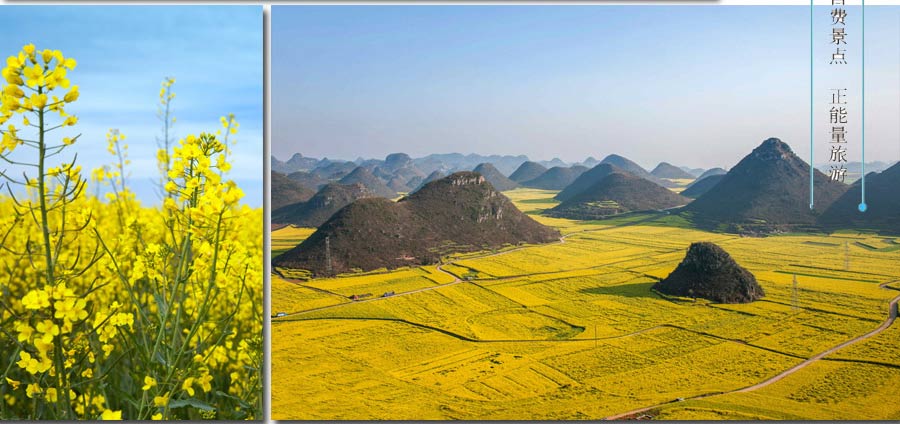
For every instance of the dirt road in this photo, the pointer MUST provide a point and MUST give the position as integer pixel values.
(892, 316)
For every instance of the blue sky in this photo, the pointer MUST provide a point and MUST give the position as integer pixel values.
(693, 85)
(124, 53)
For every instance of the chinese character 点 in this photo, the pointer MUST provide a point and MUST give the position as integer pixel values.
(838, 57)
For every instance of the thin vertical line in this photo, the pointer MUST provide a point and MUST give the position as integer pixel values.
(811, 155)
(267, 215)
(862, 202)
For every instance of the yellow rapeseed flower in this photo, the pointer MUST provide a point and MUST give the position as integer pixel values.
(109, 415)
(72, 95)
(149, 383)
(36, 299)
(188, 386)
(161, 401)
(34, 76)
(38, 101)
(32, 390)
(31, 364)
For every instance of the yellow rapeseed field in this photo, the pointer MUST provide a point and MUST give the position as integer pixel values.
(572, 330)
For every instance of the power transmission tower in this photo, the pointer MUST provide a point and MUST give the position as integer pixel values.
(328, 255)
(795, 295)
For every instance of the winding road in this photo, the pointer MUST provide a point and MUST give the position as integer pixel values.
(892, 316)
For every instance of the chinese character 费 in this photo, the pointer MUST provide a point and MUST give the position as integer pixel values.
(838, 16)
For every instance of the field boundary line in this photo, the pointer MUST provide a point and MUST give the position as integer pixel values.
(892, 316)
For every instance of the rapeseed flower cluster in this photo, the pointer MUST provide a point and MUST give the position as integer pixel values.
(110, 309)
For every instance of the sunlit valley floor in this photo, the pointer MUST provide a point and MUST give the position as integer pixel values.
(572, 330)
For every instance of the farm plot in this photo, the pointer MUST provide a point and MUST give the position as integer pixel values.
(822, 391)
(285, 238)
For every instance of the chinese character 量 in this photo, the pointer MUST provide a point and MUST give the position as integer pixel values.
(838, 135)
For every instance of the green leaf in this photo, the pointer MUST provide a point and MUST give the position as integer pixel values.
(195, 403)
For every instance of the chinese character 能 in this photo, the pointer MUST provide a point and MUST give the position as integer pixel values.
(838, 115)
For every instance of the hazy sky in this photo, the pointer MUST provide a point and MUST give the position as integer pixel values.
(124, 53)
(692, 85)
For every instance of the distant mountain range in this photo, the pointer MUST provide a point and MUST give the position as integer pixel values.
(767, 191)
(360, 227)
(445, 162)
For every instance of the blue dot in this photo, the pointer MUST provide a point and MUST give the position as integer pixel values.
(862, 207)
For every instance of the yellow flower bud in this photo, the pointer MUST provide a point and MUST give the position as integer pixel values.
(72, 95)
